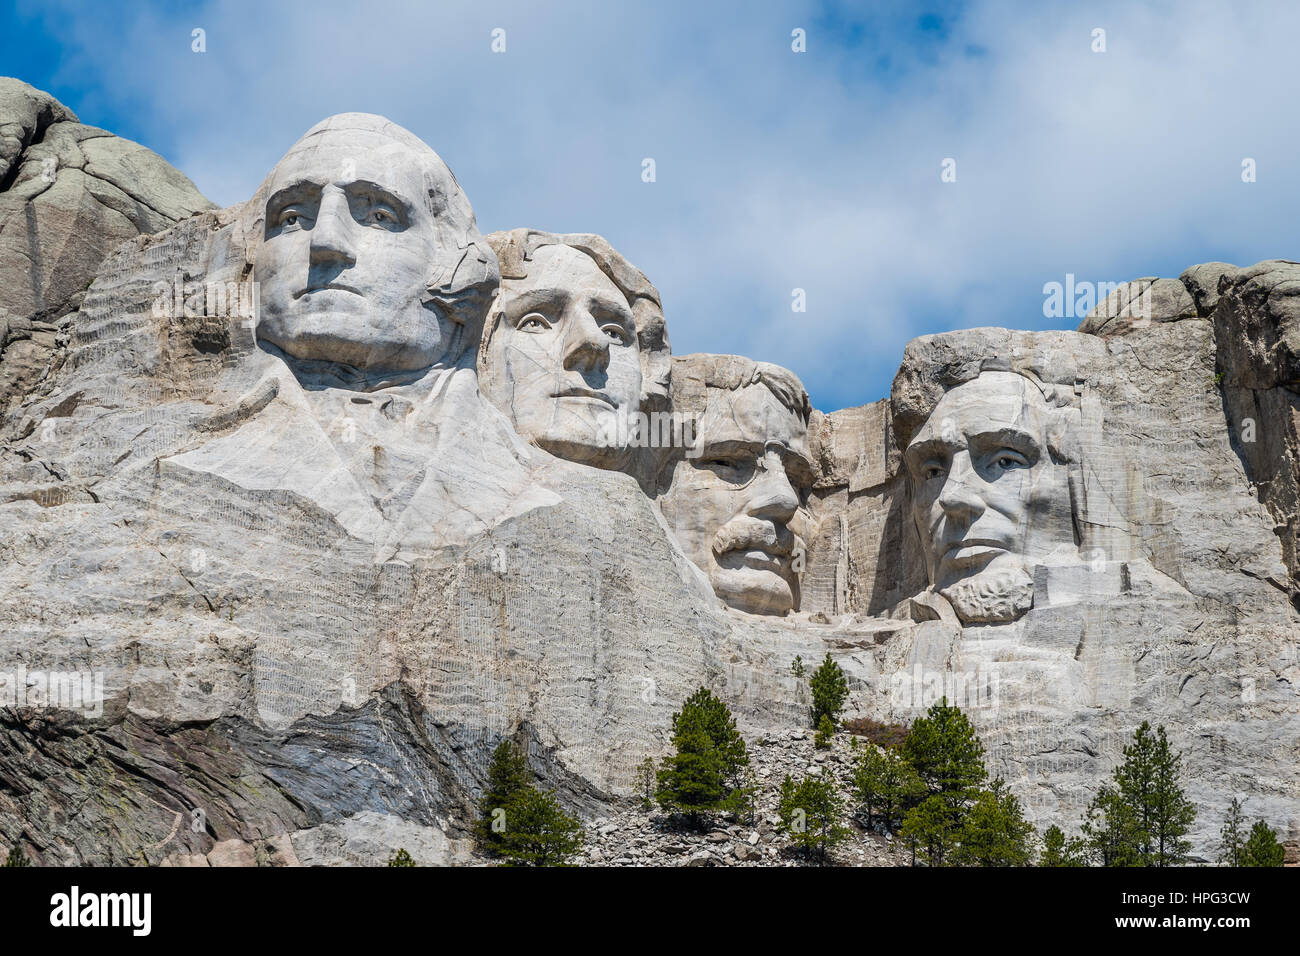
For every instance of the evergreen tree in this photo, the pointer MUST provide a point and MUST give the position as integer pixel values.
(825, 731)
(932, 828)
(1233, 840)
(883, 780)
(538, 832)
(811, 811)
(706, 771)
(507, 775)
(945, 753)
(994, 831)
(1262, 848)
(16, 857)
(645, 782)
(1111, 830)
(401, 858)
(1148, 782)
(829, 692)
(1058, 851)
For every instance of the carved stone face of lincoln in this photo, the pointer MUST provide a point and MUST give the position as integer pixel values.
(988, 500)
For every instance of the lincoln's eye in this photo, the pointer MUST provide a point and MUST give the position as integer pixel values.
(532, 322)
(1008, 459)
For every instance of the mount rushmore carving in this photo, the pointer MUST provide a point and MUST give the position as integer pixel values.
(335, 492)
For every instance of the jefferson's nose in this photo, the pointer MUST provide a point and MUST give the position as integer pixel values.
(772, 496)
(331, 235)
(587, 347)
(959, 498)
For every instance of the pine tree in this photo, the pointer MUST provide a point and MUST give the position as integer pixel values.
(706, 771)
(507, 775)
(401, 858)
(645, 782)
(16, 857)
(1148, 781)
(538, 832)
(932, 828)
(946, 754)
(994, 831)
(825, 731)
(1111, 830)
(1058, 851)
(829, 692)
(1233, 841)
(1262, 849)
(883, 780)
(811, 811)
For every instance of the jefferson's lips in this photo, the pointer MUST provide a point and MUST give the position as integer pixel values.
(586, 393)
(331, 287)
(973, 545)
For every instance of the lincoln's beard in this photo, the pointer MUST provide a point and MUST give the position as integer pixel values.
(992, 597)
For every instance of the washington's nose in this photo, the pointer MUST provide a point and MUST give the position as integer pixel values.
(587, 348)
(772, 496)
(959, 499)
(331, 235)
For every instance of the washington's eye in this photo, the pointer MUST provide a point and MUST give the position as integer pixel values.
(290, 216)
(1007, 459)
(532, 322)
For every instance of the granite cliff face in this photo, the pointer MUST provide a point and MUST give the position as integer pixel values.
(302, 599)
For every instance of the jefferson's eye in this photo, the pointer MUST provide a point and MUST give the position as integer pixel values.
(532, 322)
(616, 332)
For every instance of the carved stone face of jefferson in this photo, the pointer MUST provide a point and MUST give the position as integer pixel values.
(565, 359)
(362, 219)
(989, 501)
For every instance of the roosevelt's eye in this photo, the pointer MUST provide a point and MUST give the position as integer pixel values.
(532, 322)
(731, 469)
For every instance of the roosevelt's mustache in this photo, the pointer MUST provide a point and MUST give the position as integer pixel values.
(744, 533)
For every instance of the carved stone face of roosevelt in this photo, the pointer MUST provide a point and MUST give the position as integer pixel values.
(737, 507)
(349, 245)
(988, 500)
(565, 358)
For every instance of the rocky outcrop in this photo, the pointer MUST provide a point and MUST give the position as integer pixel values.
(69, 194)
(310, 597)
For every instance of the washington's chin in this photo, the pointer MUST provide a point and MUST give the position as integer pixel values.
(353, 338)
(751, 585)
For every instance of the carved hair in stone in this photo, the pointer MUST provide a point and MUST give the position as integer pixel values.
(736, 500)
(575, 351)
(990, 473)
(370, 266)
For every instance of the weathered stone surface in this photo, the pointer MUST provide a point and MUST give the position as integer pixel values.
(1137, 304)
(315, 576)
(68, 195)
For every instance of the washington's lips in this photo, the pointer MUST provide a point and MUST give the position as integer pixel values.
(330, 287)
(591, 393)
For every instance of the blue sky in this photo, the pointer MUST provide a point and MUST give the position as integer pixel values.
(775, 170)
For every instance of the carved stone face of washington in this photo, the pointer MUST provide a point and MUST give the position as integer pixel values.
(363, 221)
(988, 499)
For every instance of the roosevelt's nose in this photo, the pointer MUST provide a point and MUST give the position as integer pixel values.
(772, 496)
(586, 347)
(331, 235)
(960, 498)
